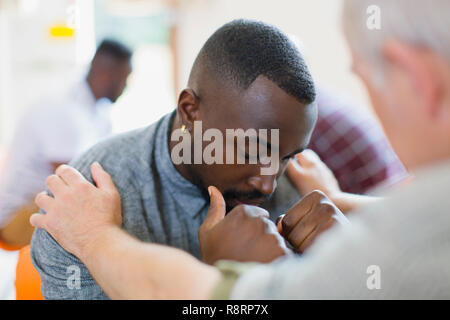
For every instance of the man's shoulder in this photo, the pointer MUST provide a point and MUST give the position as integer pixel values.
(134, 146)
(122, 145)
(418, 210)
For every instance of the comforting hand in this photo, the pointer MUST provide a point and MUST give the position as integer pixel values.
(307, 172)
(78, 211)
(244, 234)
(308, 218)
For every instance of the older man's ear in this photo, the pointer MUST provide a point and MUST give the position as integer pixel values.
(423, 67)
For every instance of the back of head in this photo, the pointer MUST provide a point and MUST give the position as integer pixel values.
(242, 50)
(401, 51)
(113, 49)
(417, 22)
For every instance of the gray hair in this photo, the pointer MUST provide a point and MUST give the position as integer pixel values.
(417, 22)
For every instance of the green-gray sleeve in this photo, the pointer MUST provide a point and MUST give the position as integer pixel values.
(231, 271)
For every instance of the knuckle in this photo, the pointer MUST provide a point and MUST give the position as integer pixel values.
(50, 179)
(288, 222)
(62, 169)
(260, 222)
(38, 199)
(242, 210)
(295, 238)
(38, 196)
(245, 207)
(327, 208)
(317, 194)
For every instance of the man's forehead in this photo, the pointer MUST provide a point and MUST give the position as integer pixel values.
(262, 111)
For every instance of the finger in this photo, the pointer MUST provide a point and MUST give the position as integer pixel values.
(295, 173)
(217, 208)
(294, 168)
(300, 232)
(308, 157)
(256, 212)
(279, 223)
(313, 236)
(340, 217)
(55, 184)
(299, 210)
(307, 225)
(69, 175)
(43, 200)
(302, 159)
(102, 178)
(37, 220)
(271, 227)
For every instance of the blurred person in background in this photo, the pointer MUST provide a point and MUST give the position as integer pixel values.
(395, 249)
(54, 131)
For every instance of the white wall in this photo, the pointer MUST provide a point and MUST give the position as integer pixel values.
(315, 22)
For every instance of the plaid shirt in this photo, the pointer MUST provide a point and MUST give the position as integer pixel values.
(352, 144)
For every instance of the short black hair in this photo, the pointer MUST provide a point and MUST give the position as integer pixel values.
(242, 50)
(114, 49)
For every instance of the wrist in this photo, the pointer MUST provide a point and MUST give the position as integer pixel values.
(340, 199)
(347, 202)
(97, 242)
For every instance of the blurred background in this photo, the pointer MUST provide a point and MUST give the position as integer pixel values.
(46, 43)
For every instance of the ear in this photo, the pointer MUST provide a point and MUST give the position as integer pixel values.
(188, 107)
(422, 69)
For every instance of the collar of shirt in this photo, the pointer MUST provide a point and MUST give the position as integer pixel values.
(184, 191)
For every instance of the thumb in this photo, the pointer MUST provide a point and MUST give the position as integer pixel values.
(217, 209)
(101, 177)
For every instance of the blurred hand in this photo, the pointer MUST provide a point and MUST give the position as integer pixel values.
(307, 219)
(244, 234)
(307, 172)
(78, 211)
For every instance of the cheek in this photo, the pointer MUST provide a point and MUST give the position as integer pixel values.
(380, 108)
(227, 176)
(382, 101)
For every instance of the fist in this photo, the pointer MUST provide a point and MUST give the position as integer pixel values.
(308, 218)
(244, 234)
(308, 173)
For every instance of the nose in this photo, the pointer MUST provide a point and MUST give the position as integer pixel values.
(266, 184)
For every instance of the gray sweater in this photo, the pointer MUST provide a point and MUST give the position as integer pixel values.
(158, 205)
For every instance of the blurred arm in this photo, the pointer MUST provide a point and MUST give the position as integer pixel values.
(308, 173)
(127, 268)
